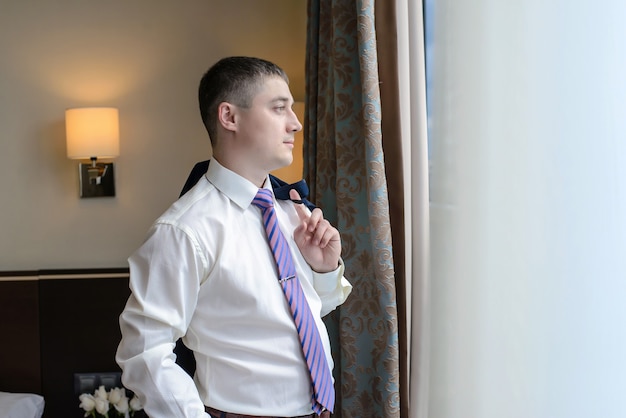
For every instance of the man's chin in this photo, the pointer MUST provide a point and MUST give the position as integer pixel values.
(285, 163)
(281, 165)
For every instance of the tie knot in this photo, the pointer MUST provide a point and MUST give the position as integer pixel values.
(263, 199)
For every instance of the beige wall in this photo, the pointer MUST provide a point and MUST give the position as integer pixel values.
(144, 57)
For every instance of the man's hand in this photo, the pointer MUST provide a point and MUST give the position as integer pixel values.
(318, 241)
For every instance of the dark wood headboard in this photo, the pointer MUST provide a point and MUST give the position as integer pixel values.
(54, 324)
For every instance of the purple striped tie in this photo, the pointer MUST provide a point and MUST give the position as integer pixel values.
(323, 390)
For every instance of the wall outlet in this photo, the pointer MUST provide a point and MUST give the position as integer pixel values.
(89, 382)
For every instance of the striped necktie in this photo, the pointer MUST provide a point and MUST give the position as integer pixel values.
(312, 348)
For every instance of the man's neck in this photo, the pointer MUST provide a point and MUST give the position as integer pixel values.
(244, 170)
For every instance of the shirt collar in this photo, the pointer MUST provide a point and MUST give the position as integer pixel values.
(236, 188)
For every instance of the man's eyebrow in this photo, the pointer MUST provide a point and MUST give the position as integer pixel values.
(281, 100)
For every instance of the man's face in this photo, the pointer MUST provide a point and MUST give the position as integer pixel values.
(266, 129)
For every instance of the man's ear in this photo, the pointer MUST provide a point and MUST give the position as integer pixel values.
(226, 115)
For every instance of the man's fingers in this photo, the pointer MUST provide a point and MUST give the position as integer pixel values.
(310, 219)
(324, 234)
(294, 195)
(300, 209)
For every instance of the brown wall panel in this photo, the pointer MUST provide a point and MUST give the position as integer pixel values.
(79, 334)
(57, 323)
(20, 367)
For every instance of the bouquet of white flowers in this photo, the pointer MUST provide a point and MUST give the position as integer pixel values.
(112, 404)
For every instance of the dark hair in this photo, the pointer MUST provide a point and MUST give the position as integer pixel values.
(234, 80)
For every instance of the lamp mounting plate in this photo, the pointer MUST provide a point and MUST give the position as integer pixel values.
(96, 180)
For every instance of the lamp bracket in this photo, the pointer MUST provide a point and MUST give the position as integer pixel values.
(96, 179)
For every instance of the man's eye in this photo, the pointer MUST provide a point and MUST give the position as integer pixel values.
(280, 108)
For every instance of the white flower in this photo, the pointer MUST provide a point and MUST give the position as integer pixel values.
(87, 402)
(102, 406)
(116, 395)
(122, 405)
(114, 402)
(135, 404)
(101, 393)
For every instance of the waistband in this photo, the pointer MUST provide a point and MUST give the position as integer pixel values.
(215, 413)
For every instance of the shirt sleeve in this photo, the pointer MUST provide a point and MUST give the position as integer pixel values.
(165, 276)
(332, 288)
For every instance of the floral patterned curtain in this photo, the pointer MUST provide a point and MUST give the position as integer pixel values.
(345, 169)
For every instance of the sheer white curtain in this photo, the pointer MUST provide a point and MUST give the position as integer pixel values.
(528, 213)
(412, 82)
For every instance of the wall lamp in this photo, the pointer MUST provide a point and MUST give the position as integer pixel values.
(92, 133)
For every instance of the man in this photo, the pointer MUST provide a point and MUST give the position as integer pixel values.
(206, 272)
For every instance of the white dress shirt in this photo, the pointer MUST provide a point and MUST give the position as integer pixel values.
(206, 273)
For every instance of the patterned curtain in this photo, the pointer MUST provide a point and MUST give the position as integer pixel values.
(345, 169)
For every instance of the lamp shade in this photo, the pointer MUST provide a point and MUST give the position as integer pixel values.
(92, 132)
